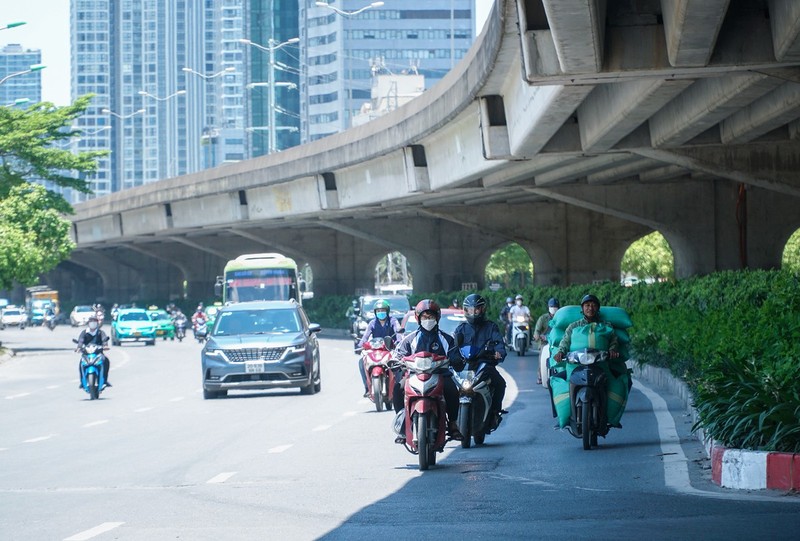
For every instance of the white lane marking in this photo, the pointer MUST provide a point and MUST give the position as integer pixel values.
(40, 438)
(140, 410)
(349, 413)
(3, 449)
(222, 477)
(280, 448)
(676, 465)
(13, 396)
(321, 428)
(53, 386)
(94, 532)
(95, 423)
(176, 399)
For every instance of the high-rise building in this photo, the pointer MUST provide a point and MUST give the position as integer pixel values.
(26, 88)
(346, 42)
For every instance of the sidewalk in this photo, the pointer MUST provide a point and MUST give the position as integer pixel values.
(730, 468)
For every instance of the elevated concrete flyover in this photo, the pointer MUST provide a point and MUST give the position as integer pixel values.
(572, 127)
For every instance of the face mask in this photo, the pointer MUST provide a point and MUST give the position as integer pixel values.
(382, 315)
(519, 303)
(428, 324)
(553, 310)
(93, 325)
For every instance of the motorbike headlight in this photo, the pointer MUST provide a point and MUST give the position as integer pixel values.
(423, 363)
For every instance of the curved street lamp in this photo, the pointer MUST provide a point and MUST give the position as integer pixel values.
(34, 67)
(272, 46)
(18, 101)
(165, 98)
(229, 69)
(349, 13)
(12, 25)
(119, 116)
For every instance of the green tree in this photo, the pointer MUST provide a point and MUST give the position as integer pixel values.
(791, 254)
(510, 266)
(34, 235)
(649, 257)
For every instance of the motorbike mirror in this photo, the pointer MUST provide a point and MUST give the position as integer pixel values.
(401, 330)
(74, 340)
(387, 341)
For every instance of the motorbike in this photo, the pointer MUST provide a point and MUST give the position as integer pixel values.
(475, 395)
(101, 315)
(91, 365)
(380, 380)
(423, 418)
(201, 330)
(50, 321)
(180, 328)
(587, 393)
(520, 334)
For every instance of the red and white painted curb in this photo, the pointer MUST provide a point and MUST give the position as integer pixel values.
(754, 470)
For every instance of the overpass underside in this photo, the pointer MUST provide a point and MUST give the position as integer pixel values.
(573, 127)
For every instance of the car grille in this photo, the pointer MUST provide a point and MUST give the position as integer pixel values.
(254, 354)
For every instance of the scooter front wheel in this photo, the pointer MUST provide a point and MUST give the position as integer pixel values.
(377, 394)
(91, 382)
(423, 444)
(465, 425)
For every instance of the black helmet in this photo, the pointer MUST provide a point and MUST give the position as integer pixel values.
(474, 308)
(553, 302)
(428, 305)
(590, 298)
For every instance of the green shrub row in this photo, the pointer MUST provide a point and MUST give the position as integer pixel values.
(734, 336)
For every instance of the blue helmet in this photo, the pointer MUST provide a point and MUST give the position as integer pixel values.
(553, 303)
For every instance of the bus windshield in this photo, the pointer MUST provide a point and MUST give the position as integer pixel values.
(259, 285)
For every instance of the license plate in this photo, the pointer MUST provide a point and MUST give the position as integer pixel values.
(253, 367)
(137, 333)
(159, 332)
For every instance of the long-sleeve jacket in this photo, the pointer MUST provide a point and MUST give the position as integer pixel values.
(479, 335)
(564, 345)
(542, 328)
(433, 341)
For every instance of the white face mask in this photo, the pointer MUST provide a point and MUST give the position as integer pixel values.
(428, 324)
(553, 310)
(92, 325)
(519, 303)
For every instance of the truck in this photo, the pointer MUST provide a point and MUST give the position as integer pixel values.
(261, 277)
(37, 299)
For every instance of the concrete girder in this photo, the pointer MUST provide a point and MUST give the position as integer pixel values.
(691, 28)
(578, 28)
(612, 111)
(771, 166)
(704, 104)
(584, 167)
(158, 279)
(200, 247)
(119, 281)
(370, 235)
(523, 170)
(784, 18)
(271, 243)
(536, 113)
(620, 172)
(767, 113)
(663, 173)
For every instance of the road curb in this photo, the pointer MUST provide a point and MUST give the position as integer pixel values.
(730, 468)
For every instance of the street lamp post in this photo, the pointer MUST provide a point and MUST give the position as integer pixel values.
(229, 69)
(18, 101)
(34, 67)
(12, 25)
(272, 46)
(165, 98)
(349, 13)
(119, 116)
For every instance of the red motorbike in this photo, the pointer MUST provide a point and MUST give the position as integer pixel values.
(380, 380)
(425, 410)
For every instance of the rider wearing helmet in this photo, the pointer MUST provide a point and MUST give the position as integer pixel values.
(590, 306)
(479, 333)
(428, 338)
(93, 334)
(519, 308)
(542, 328)
(505, 320)
(382, 325)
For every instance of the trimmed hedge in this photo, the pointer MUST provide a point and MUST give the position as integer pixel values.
(734, 336)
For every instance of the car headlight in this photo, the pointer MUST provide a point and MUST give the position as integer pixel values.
(214, 352)
(297, 348)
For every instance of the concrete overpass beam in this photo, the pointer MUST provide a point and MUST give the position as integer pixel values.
(784, 17)
(582, 168)
(620, 172)
(612, 111)
(664, 173)
(691, 28)
(120, 282)
(704, 104)
(767, 113)
(578, 29)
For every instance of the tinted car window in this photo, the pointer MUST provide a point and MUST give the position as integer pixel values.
(134, 316)
(257, 321)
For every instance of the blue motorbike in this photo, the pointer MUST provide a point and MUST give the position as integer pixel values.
(92, 379)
